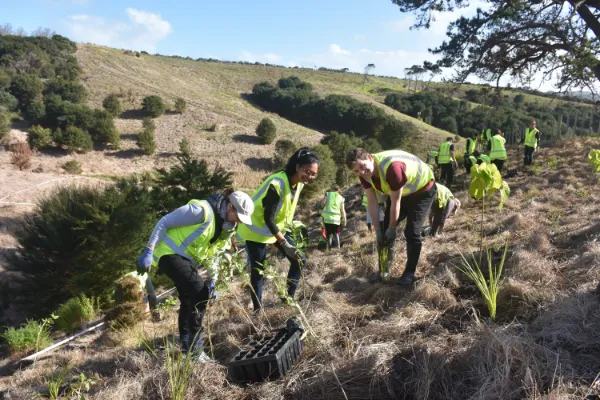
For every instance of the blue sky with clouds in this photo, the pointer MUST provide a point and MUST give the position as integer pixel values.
(330, 33)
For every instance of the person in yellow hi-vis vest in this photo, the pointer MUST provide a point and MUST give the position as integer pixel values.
(447, 161)
(498, 151)
(411, 188)
(531, 141)
(485, 139)
(442, 207)
(334, 213)
(469, 150)
(182, 240)
(275, 201)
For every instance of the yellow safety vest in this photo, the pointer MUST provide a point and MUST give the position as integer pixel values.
(444, 157)
(365, 201)
(418, 173)
(192, 241)
(473, 160)
(486, 135)
(530, 139)
(443, 195)
(470, 146)
(498, 152)
(332, 211)
(485, 158)
(259, 231)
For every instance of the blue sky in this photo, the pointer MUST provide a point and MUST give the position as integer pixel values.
(330, 33)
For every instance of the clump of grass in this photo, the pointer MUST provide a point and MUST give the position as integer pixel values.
(55, 382)
(72, 167)
(76, 312)
(130, 308)
(490, 287)
(30, 337)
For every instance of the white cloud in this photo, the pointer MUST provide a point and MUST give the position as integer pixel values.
(142, 31)
(269, 58)
(337, 50)
(401, 25)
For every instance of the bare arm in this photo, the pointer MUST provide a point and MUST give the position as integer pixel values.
(373, 207)
(395, 199)
(344, 213)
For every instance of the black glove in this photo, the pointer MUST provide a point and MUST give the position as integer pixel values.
(289, 250)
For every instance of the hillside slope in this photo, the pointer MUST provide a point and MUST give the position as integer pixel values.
(384, 341)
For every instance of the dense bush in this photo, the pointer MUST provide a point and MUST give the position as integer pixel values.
(103, 129)
(67, 90)
(340, 144)
(112, 104)
(75, 312)
(146, 141)
(153, 106)
(39, 137)
(35, 112)
(72, 167)
(26, 88)
(180, 105)
(148, 124)
(266, 131)
(8, 101)
(82, 239)
(284, 149)
(74, 139)
(4, 124)
(30, 337)
(326, 176)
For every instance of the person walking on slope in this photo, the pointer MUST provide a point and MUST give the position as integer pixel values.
(485, 139)
(411, 188)
(180, 241)
(275, 201)
(447, 161)
(498, 151)
(442, 207)
(531, 141)
(469, 150)
(333, 214)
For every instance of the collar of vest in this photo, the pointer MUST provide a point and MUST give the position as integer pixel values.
(215, 202)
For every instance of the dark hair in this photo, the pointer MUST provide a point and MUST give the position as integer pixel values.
(449, 138)
(354, 155)
(302, 157)
(227, 192)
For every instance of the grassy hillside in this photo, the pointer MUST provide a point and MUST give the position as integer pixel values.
(385, 341)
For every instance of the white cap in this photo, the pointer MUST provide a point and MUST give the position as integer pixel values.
(244, 206)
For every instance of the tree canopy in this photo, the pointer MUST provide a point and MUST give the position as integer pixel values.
(521, 39)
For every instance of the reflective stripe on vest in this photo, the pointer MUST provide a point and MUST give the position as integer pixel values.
(332, 211)
(443, 195)
(530, 139)
(444, 157)
(191, 241)
(284, 212)
(498, 151)
(470, 146)
(417, 172)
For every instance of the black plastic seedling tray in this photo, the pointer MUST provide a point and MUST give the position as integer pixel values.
(271, 358)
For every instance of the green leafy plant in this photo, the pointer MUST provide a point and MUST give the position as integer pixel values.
(76, 312)
(31, 336)
(490, 286)
(594, 160)
(146, 141)
(55, 382)
(552, 163)
(82, 385)
(179, 367)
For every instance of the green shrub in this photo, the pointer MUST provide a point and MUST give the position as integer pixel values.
(72, 167)
(372, 146)
(153, 106)
(26, 88)
(266, 131)
(4, 125)
(326, 176)
(74, 139)
(39, 137)
(8, 101)
(112, 104)
(103, 129)
(30, 337)
(184, 147)
(284, 149)
(76, 312)
(148, 124)
(180, 105)
(68, 90)
(82, 239)
(146, 141)
(35, 111)
(4, 82)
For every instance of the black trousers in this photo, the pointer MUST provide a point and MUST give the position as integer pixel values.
(193, 296)
(499, 164)
(528, 155)
(447, 175)
(414, 209)
(333, 235)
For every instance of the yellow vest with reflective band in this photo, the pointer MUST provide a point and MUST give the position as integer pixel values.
(365, 201)
(486, 134)
(259, 231)
(418, 173)
(498, 152)
(443, 195)
(332, 212)
(444, 157)
(530, 139)
(470, 146)
(433, 153)
(192, 241)
(485, 158)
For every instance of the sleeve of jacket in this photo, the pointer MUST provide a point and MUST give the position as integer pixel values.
(270, 202)
(190, 214)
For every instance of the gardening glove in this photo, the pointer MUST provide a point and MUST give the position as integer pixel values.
(145, 261)
(212, 293)
(379, 238)
(289, 250)
(390, 235)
